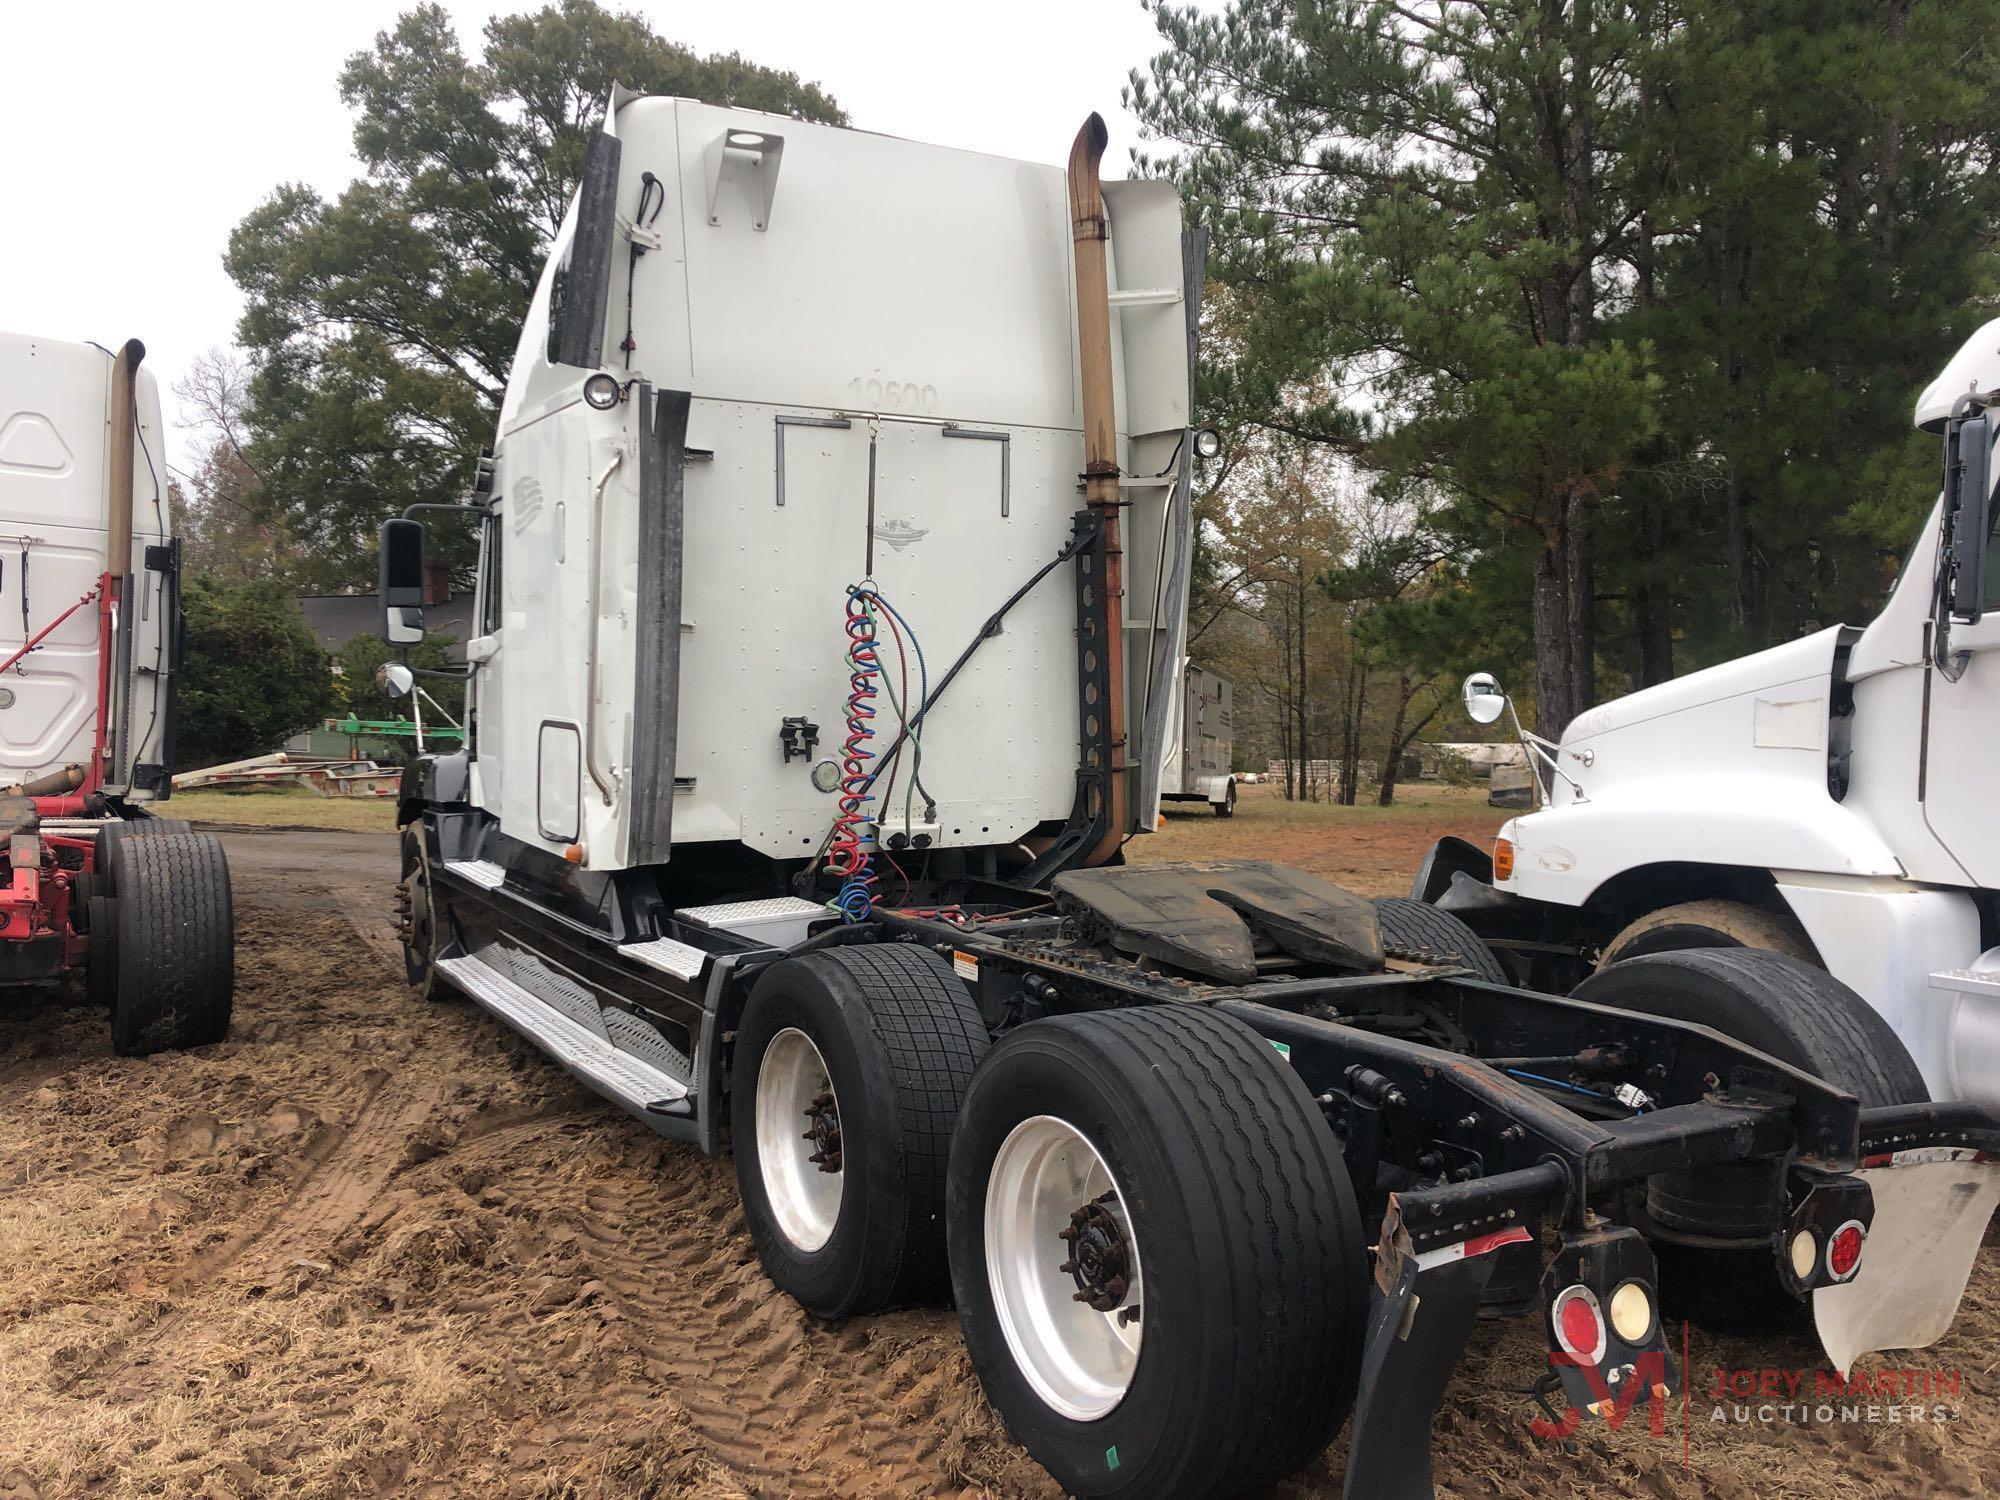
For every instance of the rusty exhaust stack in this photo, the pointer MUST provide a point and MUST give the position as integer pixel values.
(120, 478)
(1088, 228)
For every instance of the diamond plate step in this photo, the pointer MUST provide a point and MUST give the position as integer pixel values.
(682, 960)
(779, 921)
(619, 1076)
(480, 872)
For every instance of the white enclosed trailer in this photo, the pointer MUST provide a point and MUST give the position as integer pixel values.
(1196, 765)
(89, 648)
(1832, 798)
(832, 591)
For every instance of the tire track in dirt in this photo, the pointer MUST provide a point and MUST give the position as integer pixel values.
(347, 1182)
(782, 1402)
(739, 1355)
(340, 1174)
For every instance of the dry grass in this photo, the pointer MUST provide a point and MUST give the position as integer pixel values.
(284, 807)
(1372, 850)
(1314, 835)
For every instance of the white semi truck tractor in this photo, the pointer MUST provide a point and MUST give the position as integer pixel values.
(1832, 799)
(96, 885)
(832, 591)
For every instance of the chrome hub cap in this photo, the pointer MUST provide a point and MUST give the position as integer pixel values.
(1063, 1264)
(798, 1139)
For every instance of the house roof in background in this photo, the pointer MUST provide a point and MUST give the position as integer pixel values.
(336, 619)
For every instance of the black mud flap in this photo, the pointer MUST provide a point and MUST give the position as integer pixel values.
(1450, 856)
(1416, 1332)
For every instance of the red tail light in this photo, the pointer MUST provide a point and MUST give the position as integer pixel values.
(1843, 1251)
(1579, 1323)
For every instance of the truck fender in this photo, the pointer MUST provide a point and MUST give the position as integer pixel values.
(432, 781)
(1566, 855)
(1884, 939)
(1450, 856)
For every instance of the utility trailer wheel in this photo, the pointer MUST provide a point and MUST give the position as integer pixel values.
(1160, 1266)
(848, 1069)
(1799, 1014)
(1423, 933)
(416, 912)
(1709, 924)
(175, 943)
(1226, 808)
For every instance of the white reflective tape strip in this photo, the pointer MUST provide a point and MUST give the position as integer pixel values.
(1914, 1156)
(1479, 1244)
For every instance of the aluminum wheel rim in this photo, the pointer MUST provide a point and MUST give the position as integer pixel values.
(804, 1199)
(1079, 1360)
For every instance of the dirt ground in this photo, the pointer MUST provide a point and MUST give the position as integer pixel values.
(370, 1246)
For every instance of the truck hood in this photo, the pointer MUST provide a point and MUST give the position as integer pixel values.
(1775, 699)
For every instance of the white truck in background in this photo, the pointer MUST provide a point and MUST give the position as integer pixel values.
(1196, 765)
(90, 644)
(1836, 798)
(809, 719)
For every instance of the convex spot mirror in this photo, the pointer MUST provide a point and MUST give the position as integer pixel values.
(1484, 699)
(394, 680)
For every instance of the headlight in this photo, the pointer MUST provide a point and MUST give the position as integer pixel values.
(1208, 443)
(601, 391)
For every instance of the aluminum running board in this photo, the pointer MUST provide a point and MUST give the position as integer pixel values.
(619, 1076)
(481, 872)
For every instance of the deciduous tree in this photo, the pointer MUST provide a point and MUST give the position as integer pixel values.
(382, 322)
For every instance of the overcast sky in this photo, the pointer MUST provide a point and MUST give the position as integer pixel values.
(138, 134)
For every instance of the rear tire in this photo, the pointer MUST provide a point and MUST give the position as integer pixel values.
(889, 1038)
(1799, 1014)
(1422, 933)
(1226, 808)
(112, 834)
(1230, 1216)
(101, 958)
(1710, 924)
(175, 956)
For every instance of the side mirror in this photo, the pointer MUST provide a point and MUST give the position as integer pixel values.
(393, 679)
(401, 592)
(1484, 699)
(1968, 502)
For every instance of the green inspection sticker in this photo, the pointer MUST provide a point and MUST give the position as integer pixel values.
(1111, 1457)
(1283, 1049)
